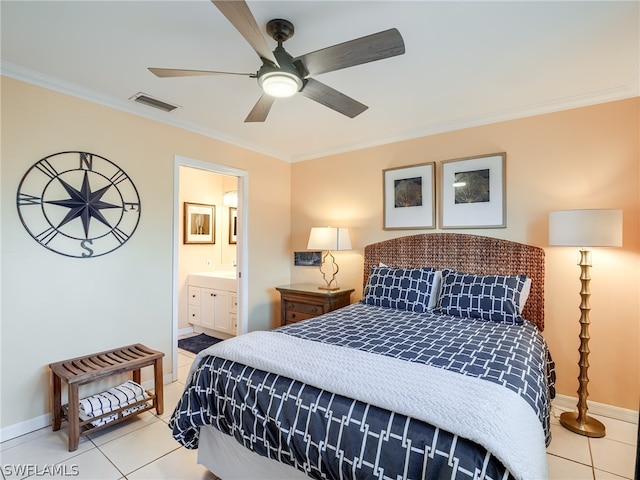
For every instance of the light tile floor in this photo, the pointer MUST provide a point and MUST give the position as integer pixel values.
(143, 448)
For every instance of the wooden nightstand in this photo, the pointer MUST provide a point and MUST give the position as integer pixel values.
(301, 301)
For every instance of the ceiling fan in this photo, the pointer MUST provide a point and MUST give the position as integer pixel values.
(281, 75)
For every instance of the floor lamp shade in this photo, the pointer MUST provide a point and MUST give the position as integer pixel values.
(329, 238)
(584, 229)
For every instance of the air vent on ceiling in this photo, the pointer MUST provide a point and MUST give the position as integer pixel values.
(153, 102)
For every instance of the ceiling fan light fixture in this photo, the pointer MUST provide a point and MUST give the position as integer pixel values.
(280, 84)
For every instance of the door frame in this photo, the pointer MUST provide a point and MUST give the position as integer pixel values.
(242, 246)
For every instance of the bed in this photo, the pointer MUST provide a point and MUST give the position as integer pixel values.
(440, 371)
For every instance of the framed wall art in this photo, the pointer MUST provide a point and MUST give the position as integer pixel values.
(409, 197)
(474, 192)
(233, 225)
(199, 223)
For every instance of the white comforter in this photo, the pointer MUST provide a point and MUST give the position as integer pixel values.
(479, 410)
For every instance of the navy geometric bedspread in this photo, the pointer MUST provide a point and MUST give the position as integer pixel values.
(329, 436)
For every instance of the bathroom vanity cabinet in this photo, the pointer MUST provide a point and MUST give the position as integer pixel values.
(213, 301)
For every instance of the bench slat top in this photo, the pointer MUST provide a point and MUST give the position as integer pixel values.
(77, 369)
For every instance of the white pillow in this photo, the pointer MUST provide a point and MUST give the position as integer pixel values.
(435, 289)
(524, 294)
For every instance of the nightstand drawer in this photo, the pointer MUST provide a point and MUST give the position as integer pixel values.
(312, 310)
(302, 301)
(293, 317)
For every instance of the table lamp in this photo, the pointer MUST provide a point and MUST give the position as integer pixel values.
(329, 238)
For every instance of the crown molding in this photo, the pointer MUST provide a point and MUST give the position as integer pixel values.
(629, 90)
(68, 88)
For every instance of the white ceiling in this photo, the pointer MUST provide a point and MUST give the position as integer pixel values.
(466, 64)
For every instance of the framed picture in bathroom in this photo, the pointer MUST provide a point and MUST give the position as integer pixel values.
(233, 225)
(199, 223)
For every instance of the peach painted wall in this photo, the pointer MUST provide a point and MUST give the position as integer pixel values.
(55, 307)
(581, 158)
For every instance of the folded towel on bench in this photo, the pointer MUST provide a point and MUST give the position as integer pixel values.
(126, 394)
(111, 418)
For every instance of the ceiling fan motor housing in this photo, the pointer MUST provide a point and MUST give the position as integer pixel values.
(283, 80)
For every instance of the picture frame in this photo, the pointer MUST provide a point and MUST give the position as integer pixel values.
(409, 197)
(233, 225)
(199, 223)
(473, 192)
(307, 259)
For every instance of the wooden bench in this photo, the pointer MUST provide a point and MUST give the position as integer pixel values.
(87, 369)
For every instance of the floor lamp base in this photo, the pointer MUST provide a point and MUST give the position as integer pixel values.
(589, 428)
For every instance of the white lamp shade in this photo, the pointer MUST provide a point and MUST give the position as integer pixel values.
(329, 238)
(586, 228)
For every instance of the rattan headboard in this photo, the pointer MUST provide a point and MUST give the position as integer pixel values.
(466, 253)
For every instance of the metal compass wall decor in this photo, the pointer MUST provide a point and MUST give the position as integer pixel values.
(78, 204)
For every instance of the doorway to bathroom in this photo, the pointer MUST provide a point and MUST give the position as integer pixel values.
(209, 240)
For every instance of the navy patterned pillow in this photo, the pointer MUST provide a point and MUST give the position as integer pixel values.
(400, 288)
(489, 297)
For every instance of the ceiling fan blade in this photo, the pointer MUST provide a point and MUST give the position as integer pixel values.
(238, 13)
(174, 72)
(373, 47)
(261, 109)
(331, 98)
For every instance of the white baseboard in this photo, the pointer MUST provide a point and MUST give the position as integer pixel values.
(564, 402)
(22, 428)
(185, 331)
(42, 421)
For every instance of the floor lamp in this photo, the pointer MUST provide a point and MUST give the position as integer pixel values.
(584, 228)
(329, 238)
